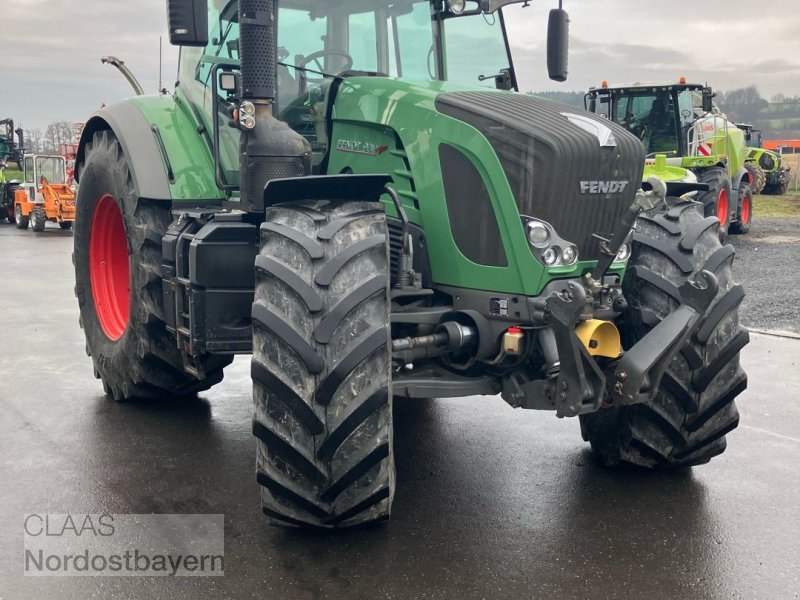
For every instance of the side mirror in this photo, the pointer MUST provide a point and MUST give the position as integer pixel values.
(708, 102)
(188, 22)
(558, 44)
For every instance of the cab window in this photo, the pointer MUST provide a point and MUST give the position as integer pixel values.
(29, 169)
(475, 50)
(51, 168)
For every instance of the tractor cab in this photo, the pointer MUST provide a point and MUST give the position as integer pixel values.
(752, 136)
(663, 116)
(322, 44)
(35, 166)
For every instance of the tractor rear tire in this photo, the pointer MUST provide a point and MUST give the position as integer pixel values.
(694, 409)
(20, 220)
(744, 214)
(758, 179)
(117, 258)
(66, 225)
(38, 219)
(717, 200)
(321, 366)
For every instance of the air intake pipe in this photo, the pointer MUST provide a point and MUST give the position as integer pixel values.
(269, 148)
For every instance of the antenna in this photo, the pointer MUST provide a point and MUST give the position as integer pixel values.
(160, 87)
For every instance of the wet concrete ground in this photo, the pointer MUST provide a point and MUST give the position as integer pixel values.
(491, 502)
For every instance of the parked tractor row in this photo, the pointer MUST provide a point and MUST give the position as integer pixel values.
(680, 123)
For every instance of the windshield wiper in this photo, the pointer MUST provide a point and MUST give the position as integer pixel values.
(307, 70)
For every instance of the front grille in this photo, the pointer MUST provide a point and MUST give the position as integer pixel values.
(550, 162)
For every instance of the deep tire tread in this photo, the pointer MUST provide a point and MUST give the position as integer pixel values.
(694, 410)
(145, 362)
(324, 435)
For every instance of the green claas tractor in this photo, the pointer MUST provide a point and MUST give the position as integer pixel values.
(680, 121)
(767, 174)
(354, 193)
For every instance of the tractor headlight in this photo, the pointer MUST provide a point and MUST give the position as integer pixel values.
(550, 257)
(538, 234)
(247, 114)
(570, 255)
(547, 246)
(457, 6)
(624, 253)
(247, 108)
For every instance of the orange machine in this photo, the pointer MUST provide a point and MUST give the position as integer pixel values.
(44, 194)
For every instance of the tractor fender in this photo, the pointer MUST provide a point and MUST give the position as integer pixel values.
(138, 143)
(736, 181)
(167, 154)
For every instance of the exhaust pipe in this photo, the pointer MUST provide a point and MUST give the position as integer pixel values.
(269, 148)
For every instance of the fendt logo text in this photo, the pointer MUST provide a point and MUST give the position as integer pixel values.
(603, 187)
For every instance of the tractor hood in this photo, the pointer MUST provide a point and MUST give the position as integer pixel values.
(566, 166)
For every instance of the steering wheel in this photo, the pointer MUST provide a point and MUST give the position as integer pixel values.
(316, 58)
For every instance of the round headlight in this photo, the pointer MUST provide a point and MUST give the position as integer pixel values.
(538, 234)
(247, 121)
(570, 255)
(550, 257)
(457, 6)
(624, 253)
(247, 108)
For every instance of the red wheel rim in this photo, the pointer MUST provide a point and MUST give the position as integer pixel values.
(722, 207)
(109, 269)
(751, 178)
(745, 217)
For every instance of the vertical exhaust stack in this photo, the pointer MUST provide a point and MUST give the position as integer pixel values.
(269, 148)
(21, 137)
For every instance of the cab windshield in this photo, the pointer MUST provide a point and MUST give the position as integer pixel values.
(51, 168)
(652, 116)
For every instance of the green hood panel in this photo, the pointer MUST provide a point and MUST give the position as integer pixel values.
(390, 126)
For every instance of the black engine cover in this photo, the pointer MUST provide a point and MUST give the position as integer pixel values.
(579, 172)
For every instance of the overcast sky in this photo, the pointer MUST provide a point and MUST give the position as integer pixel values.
(50, 49)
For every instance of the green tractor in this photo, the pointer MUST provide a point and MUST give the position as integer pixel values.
(680, 121)
(10, 151)
(767, 174)
(354, 193)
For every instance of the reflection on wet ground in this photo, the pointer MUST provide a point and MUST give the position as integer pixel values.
(491, 502)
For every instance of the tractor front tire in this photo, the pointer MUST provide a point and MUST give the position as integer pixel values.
(686, 423)
(717, 200)
(66, 225)
(321, 366)
(38, 219)
(20, 220)
(758, 179)
(744, 214)
(117, 258)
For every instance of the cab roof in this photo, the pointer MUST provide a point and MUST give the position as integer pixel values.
(644, 85)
